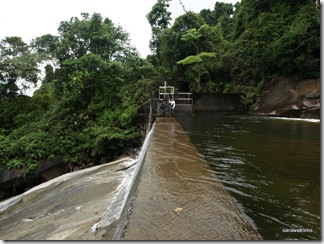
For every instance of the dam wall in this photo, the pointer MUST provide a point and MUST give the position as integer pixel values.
(218, 102)
(178, 197)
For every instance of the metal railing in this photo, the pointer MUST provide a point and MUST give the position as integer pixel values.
(183, 98)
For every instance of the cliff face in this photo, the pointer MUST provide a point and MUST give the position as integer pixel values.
(291, 99)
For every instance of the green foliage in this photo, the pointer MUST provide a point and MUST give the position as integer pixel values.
(187, 21)
(159, 18)
(255, 41)
(18, 67)
(14, 164)
(95, 81)
(85, 107)
(190, 60)
(196, 69)
(25, 147)
(101, 142)
(159, 15)
(278, 39)
(250, 96)
(196, 58)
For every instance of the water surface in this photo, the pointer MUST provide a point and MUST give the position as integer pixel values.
(271, 166)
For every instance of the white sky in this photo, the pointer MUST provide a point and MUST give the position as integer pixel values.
(29, 19)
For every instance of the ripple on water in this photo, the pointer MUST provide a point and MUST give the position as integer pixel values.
(270, 165)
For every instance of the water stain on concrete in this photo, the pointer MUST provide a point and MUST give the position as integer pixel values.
(178, 196)
(83, 205)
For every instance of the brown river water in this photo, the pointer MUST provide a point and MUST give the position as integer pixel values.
(270, 165)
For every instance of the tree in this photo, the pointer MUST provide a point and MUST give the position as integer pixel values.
(206, 40)
(18, 71)
(82, 111)
(253, 41)
(159, 18)
(172, 48)
(197, 67)
(91, 35)
(18, 67)
(222, 9)
(277, 39)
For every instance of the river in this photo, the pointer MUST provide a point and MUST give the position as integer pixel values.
(271, 166)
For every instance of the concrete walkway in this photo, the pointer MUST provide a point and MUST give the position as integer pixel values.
(178, 196)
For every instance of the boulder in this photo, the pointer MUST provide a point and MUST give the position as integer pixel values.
(15, 181)
(290, 98)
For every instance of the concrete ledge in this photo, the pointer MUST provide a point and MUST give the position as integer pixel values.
(178, 197)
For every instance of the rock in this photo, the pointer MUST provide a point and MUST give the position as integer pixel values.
(50, 169)
(15, 181)
(290, 99)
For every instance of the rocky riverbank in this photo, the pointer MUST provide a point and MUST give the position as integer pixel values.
(289, 98)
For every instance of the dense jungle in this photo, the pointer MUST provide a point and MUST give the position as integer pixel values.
(92, 81)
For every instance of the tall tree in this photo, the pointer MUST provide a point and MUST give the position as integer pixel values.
(159, 18)
(279, 38)
(87, 114)
(18, 72)
(18, 66)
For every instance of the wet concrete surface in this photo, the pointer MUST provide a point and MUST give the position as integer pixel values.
(178, 197)
(168, 194)
(83, 205)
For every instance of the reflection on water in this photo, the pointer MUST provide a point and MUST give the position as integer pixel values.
(270, 165)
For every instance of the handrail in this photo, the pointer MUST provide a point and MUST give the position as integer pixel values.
(183, 97)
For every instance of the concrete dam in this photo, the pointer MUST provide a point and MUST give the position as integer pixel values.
(167, 193)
